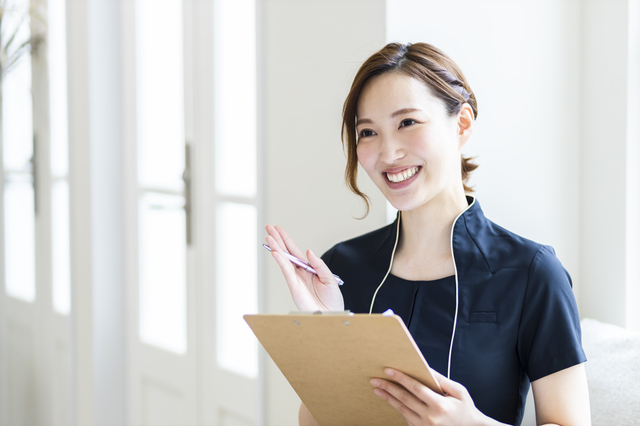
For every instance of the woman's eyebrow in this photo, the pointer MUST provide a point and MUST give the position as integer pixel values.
(404, 111)
(395, 114)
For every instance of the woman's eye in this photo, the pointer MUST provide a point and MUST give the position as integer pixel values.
(407, 122)
(366, 132)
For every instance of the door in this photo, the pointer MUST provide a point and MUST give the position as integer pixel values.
(161, 329)
(192, 211)
(34, 221)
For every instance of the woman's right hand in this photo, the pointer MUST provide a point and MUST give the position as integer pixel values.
(310, 292)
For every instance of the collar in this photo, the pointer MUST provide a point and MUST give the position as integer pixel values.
(470, 241)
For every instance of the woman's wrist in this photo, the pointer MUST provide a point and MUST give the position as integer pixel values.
(488, 421)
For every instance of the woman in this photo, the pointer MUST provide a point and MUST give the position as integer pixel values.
(490, 311)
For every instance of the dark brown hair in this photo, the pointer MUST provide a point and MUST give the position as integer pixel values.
(422, 62)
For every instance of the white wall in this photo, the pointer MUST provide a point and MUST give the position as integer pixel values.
(609, 157)
(95, 176)
(312, 51)
(522, 59)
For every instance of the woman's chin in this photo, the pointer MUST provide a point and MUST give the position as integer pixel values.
(402, 206)
(406, 204)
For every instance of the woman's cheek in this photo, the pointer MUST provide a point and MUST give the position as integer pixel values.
(365, 157)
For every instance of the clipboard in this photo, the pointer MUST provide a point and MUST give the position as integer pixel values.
(329, 360)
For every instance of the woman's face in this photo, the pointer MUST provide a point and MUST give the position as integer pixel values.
(407, 143)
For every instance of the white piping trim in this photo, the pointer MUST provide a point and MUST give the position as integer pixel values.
(455, 268)
(393, 253)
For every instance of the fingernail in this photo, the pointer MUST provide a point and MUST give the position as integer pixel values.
(375, 382)
(377, 392)
(389, 372)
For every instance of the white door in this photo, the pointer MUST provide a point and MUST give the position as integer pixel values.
(234, 202)
(161, 344)
(192, 210)
(34, 226)
(19, 312)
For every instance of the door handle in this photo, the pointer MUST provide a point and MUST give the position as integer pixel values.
(186, 178)
(34, 174)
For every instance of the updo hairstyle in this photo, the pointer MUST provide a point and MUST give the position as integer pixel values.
(424, 63)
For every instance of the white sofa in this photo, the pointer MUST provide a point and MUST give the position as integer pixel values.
(613, 373)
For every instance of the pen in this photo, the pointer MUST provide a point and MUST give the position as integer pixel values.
(303, 264)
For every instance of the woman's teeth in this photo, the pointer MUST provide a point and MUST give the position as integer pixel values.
(403, 175)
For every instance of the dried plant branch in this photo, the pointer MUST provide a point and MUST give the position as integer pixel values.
(12, 60)
(9, 54)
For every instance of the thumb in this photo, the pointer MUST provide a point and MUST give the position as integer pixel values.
(448, 386)
(324, 273)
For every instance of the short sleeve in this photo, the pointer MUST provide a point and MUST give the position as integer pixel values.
(549, 336)
(327, 257)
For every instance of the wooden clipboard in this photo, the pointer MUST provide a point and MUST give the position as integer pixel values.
(329, 360)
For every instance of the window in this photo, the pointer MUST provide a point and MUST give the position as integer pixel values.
(236, 183)
(18, 154)
(59, 137)
(161, 162)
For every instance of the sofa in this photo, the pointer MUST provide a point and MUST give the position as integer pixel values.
(613, 374)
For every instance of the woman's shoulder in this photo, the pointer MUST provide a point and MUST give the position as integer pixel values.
(501, 248)
(512, 250)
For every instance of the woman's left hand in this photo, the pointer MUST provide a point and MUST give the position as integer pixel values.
(422, 406)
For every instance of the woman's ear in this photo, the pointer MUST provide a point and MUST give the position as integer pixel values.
(466, 122)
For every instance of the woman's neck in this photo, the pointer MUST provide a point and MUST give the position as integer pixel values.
(424, 250)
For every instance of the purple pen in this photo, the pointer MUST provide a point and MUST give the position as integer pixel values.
(304, 265)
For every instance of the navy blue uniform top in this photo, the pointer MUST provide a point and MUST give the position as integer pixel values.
(517, 316)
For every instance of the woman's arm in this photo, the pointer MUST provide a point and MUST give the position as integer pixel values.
(305, 418)
(562, 398)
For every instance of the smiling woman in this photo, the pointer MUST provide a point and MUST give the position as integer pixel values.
(491, 312)
(398, 145)
(425, 64)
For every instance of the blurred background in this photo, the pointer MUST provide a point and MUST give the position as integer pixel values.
(146, 143)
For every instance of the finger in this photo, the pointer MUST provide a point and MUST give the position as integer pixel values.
(281, 259)
(290, 273)
(288, 242)
(450, 387)
(421, 392)
(405, 396)
(438, 378)
(411, 416)
(324, 273)
(284, 263)
(290, 270)
(271, 230)
(295, 285)
(437, 374)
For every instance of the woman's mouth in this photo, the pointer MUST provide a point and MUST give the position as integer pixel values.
(402, 176)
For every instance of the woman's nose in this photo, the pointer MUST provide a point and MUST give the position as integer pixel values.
(391, 150)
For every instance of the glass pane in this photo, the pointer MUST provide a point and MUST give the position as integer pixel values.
(235, 102)
(58, 87)
(160, 93)
(237, 287)
(163, 286)
(60, 250)
(19, 231)
(17, 130)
